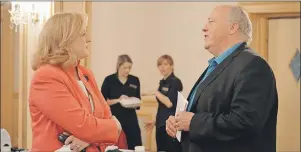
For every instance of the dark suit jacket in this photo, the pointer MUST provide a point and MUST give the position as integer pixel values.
(235, 107)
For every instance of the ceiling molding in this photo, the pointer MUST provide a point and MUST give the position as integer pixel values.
(271, 7)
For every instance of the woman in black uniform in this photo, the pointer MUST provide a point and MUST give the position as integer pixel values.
(167, 96)
(123, 85)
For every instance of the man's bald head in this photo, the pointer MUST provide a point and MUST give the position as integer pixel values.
(226, 25)
(236, 15)
(223, 9)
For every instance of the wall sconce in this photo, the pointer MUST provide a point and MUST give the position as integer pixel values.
(28, 13)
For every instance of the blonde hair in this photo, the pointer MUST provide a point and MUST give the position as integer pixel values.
(58, 33)
(122, 59)
(166, 57)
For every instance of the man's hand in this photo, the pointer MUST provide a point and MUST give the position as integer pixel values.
(171, 126)
(183, 120)
(76, 144)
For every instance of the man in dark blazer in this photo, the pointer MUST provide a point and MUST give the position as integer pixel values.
(233, 105)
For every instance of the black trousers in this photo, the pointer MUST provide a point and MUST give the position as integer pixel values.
(132, 130)
(165, 143)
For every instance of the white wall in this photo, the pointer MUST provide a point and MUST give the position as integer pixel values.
(146, 30)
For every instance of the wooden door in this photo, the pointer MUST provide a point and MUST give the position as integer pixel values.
(284, 40)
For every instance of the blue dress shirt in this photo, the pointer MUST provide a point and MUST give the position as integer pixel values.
(212, 65)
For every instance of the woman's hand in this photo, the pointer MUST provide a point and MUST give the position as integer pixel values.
(118, 124)
(151, 93)
(127, 97)
(76, 144)
(123, 97)
(115, 101)
(163, 99)
(149, 125)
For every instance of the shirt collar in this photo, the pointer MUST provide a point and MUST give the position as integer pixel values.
(225, 54)
(169, 77)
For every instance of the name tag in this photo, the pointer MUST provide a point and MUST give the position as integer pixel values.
(165, 89)
(133, 86)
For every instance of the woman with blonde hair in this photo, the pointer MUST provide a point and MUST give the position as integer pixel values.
(118, 86)
(167, 96)
(64, 97)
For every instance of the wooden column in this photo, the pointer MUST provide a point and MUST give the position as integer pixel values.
(9, 110)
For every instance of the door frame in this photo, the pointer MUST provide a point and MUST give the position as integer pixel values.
(260, 13)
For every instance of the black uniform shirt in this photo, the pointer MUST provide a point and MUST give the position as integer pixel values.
(112, 88)
(168, 87)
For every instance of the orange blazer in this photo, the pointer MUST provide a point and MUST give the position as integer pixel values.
(58, 104)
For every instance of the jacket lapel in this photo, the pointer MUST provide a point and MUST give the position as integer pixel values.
(83, 78)
(215, 73)
(196, 84)
(83, 99)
